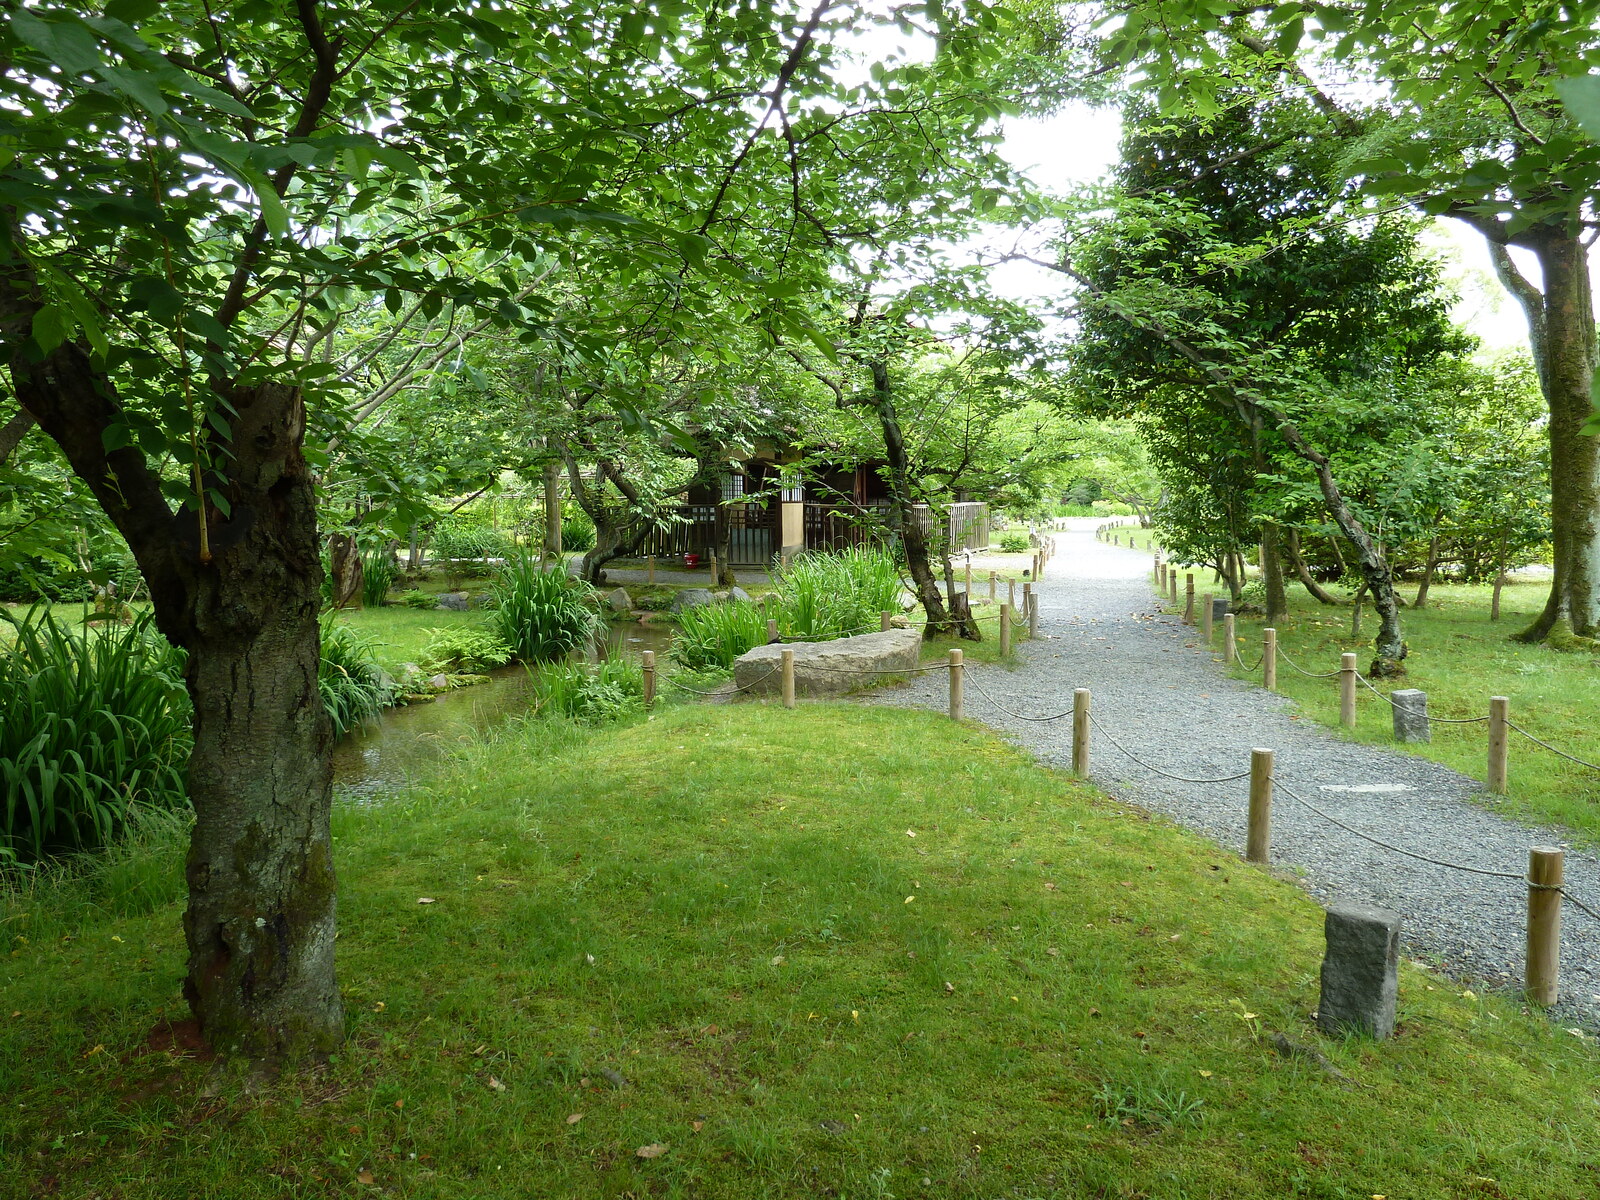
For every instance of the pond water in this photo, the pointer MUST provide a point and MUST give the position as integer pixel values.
(408, 742)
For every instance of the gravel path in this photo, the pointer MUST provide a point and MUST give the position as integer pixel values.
(1167, 701)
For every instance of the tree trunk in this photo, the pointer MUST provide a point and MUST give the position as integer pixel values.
(1291, 548)
(1272, 573)
(13, 431)
(960, 604)
(1428, 570)
(241, 596)
(551, 549)
(1567, 369)
(912, 536)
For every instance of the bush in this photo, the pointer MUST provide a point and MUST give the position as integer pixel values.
(591, 694)
(94, 726)
(1014, 541)
(711, 636)
(464, 651)
(457, 539)
(653, 598)
(828, 595)
(577, 531)
(26, 580)
(354, 687)
(541, 615)
(378, 573)
(417, 598)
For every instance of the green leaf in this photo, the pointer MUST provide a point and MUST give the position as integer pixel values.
(273, 211)
(1581, 95)
(51, 325)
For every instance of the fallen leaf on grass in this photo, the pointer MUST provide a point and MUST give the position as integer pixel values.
(697, 1126)
(426, 900)
(574, 1118)
(365, 1177)
(654, 1150)
(496, 1084)
(777, 960)
(1053, 952)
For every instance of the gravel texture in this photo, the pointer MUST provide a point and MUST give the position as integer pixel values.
(1166, 699)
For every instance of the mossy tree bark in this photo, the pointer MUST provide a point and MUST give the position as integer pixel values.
(241, 595)
(1562, 328)
(912, 536)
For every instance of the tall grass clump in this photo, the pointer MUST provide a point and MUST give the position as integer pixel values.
(593, 694)
(541, 615)
(379, 570)
(354, 687)
(828, 595)
(711, 636)
(94, 726)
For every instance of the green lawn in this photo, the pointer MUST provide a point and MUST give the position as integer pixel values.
(840, 951)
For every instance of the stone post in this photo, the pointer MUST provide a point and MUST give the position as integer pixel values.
(1359, 971)
(1410, 715)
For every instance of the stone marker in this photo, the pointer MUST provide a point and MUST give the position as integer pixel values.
(1219, 609)
(1359, 981)
(1410, 715)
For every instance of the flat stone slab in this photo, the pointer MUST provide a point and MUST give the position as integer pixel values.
(829, 668)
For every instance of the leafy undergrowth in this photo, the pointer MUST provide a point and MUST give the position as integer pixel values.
(1461, 658)
(740, 952)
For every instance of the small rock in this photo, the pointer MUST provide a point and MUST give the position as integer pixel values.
(438, 681)
(899, 621)
(738, 593)
(692, 598)
(613, 1077)
(454, 602)
(620, 601)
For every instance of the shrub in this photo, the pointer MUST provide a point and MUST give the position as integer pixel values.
(468, 650)
(828, 595)
(541, 615)
(711, 636)
(457, 539)
(653, 598)
(94, 726)
(1014, 541)
(577, 531)
(354, 687)
(378, 573)
(417, 598)
(591, 694)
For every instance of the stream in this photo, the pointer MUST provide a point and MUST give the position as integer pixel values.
(404, 743)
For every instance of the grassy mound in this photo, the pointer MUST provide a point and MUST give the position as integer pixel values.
(739, 952)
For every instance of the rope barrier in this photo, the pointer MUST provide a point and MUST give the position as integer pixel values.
(1093, 720)
(1538, 742)
(1302, 670)
(1239, 657)
(1019, 716)
(1431, 717)
(771, 671)
(1438, 862)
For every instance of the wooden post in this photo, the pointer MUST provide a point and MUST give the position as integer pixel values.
(993, 575)
(1033, 616)
(1269, 659)
(1027, 607)
(649, 678)
(1230, 649)
(1172, 588)
(1258, 838)
(783, 562)
(968, 579)
(650, 569)
(955, 685)
(1011, 593)
(1499, 742)
(1155, 569)
(1543, 973)
(786, 657)
(1188, 598)
(1080, 732)
(715, 578)
(1205, 617)
(772, 631)
(884, 618)
(1347, 690)
(1005, 630)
